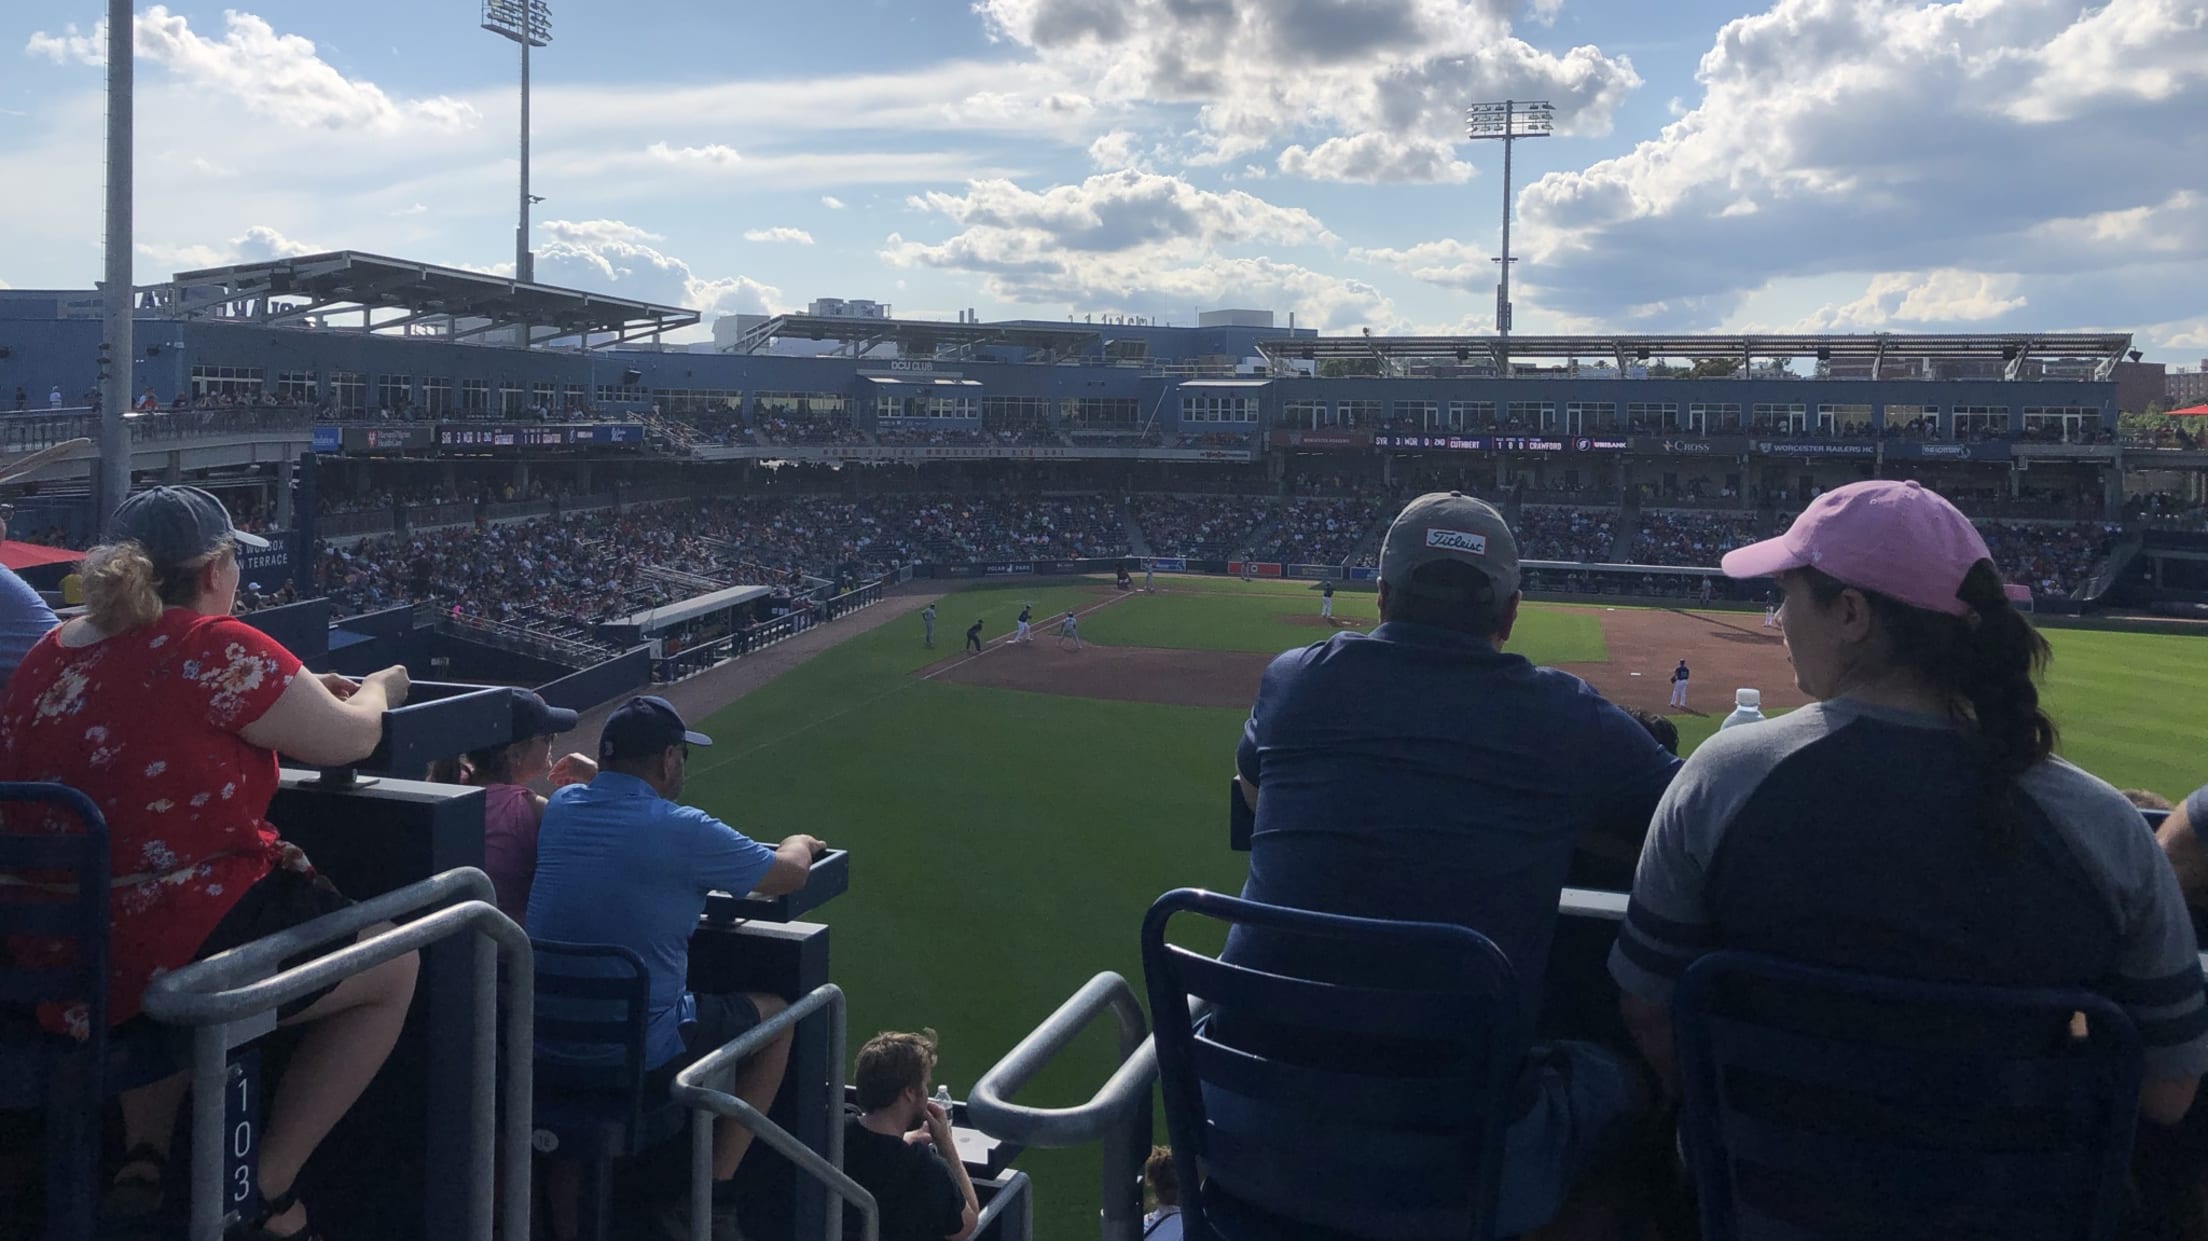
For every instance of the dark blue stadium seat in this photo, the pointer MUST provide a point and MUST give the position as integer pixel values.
(1831, 1104)
(1318, 1111)
(58, 889)
(591, 1006)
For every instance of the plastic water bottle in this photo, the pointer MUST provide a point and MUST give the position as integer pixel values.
(943, 1100)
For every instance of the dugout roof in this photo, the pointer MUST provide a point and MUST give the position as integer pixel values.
(920, 338)
(2013, 350)
(398, 296)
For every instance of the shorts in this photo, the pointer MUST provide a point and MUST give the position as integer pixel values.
(280, 900)
(721, 1020)
(1578, 1105)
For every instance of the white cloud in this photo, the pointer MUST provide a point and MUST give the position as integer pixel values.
(1986, 152)
(831, 202)
(257, 244)
(783, 234)
(1117, 149)
(1446, 263)
(712, 155)
(276, 76)
(1258, 70)
(1375, 157)
(616, 257)
(1138, 243)
(1943, 296)
(412, 209)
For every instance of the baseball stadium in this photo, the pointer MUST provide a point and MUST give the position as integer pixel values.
(1479, 785)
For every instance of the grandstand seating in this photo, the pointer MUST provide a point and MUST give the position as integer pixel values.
(591, 1104)
(1554, 533)
(1826, 1103)
(1317, 530)
(1413, 1084)
(1204, 527)
(1680, 537)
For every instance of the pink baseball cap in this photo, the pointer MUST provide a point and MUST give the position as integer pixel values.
(1893, 538)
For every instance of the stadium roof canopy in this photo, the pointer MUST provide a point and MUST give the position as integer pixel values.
(414, 298)
(919, 338)
(2012, 350)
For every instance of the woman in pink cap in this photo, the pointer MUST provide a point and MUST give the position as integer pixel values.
(1912, 821)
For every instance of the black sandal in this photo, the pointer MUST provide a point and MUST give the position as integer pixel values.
(135, 1196)
(256, 1229)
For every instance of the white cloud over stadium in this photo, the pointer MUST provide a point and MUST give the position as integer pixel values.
(1849, 164)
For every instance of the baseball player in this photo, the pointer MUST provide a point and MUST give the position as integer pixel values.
(1069, 627)
(1326, 601)
(1770, 611)
(1027, 613)
(973, 638)
(1679, 685)
(927, 618)
(1149, 571)
(1705, 591)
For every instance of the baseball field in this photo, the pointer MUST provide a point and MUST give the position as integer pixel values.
(1012, 814)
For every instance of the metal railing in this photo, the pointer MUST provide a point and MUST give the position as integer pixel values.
(1118, 1114)
(693, 1091)
(231, 999)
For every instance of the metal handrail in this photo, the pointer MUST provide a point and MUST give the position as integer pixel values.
(231, 998)
(1118, 1114)
(1016, 1190)
(691, 1091)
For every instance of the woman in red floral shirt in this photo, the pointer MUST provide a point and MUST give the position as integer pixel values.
(169, 714)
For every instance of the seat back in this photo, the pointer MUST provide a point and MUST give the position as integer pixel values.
(53, 854)
(593, 1001)
(1305, 1108)
(1828, 1103)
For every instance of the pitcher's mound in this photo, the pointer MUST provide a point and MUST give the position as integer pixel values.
(1127, 673)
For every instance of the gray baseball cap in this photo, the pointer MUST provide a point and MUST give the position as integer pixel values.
(176, 524)
(1450, 525)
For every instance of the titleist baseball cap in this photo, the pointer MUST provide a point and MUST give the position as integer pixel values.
(1450, 525)
(1897, 539)
(176, 524)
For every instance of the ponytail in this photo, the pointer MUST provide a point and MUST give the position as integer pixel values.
(489, 765)
(1986, 665)
(125, 590)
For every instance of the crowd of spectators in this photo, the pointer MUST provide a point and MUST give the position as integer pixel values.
(910, 437)
(1318, 530)
(1547, 532)
(1200, 527)
(1688, 538)
(1699, 491)
(808, 430)
(2050, 557)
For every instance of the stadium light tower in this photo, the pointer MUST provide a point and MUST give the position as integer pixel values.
(529, 23)
(1508, 121)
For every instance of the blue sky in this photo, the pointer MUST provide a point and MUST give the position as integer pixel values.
(1844, 165)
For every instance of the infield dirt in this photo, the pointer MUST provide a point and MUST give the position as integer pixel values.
(1723, 650)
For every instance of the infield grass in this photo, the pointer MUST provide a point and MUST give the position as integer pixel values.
(1005, 844)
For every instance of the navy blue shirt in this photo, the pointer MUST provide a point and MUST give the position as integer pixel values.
(1420, 774)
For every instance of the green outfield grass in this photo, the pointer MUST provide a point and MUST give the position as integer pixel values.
(1005, 844)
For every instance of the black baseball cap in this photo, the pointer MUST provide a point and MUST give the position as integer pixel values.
(642, 726)
(534, 717)
(176, 524)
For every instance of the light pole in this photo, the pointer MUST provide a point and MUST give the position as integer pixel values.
(111, 476)
(529, 23)
(1509, 120)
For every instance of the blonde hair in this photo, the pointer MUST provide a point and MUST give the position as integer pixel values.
(125, 590)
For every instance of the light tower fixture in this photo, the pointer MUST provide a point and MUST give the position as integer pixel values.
(528, 23)
(1507, 121)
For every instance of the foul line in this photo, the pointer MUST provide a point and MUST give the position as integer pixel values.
(903, 684)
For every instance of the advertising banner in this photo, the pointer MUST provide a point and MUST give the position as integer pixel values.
(1817, 448)
(328, 439)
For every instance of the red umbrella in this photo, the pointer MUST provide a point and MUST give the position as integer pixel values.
(30, 555)
(2190, 411)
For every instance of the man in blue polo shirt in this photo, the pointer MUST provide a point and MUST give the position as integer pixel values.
(620, 862)
(1421, 773)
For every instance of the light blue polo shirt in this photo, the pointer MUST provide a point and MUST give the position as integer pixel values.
(24, 619)
(619, 864)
